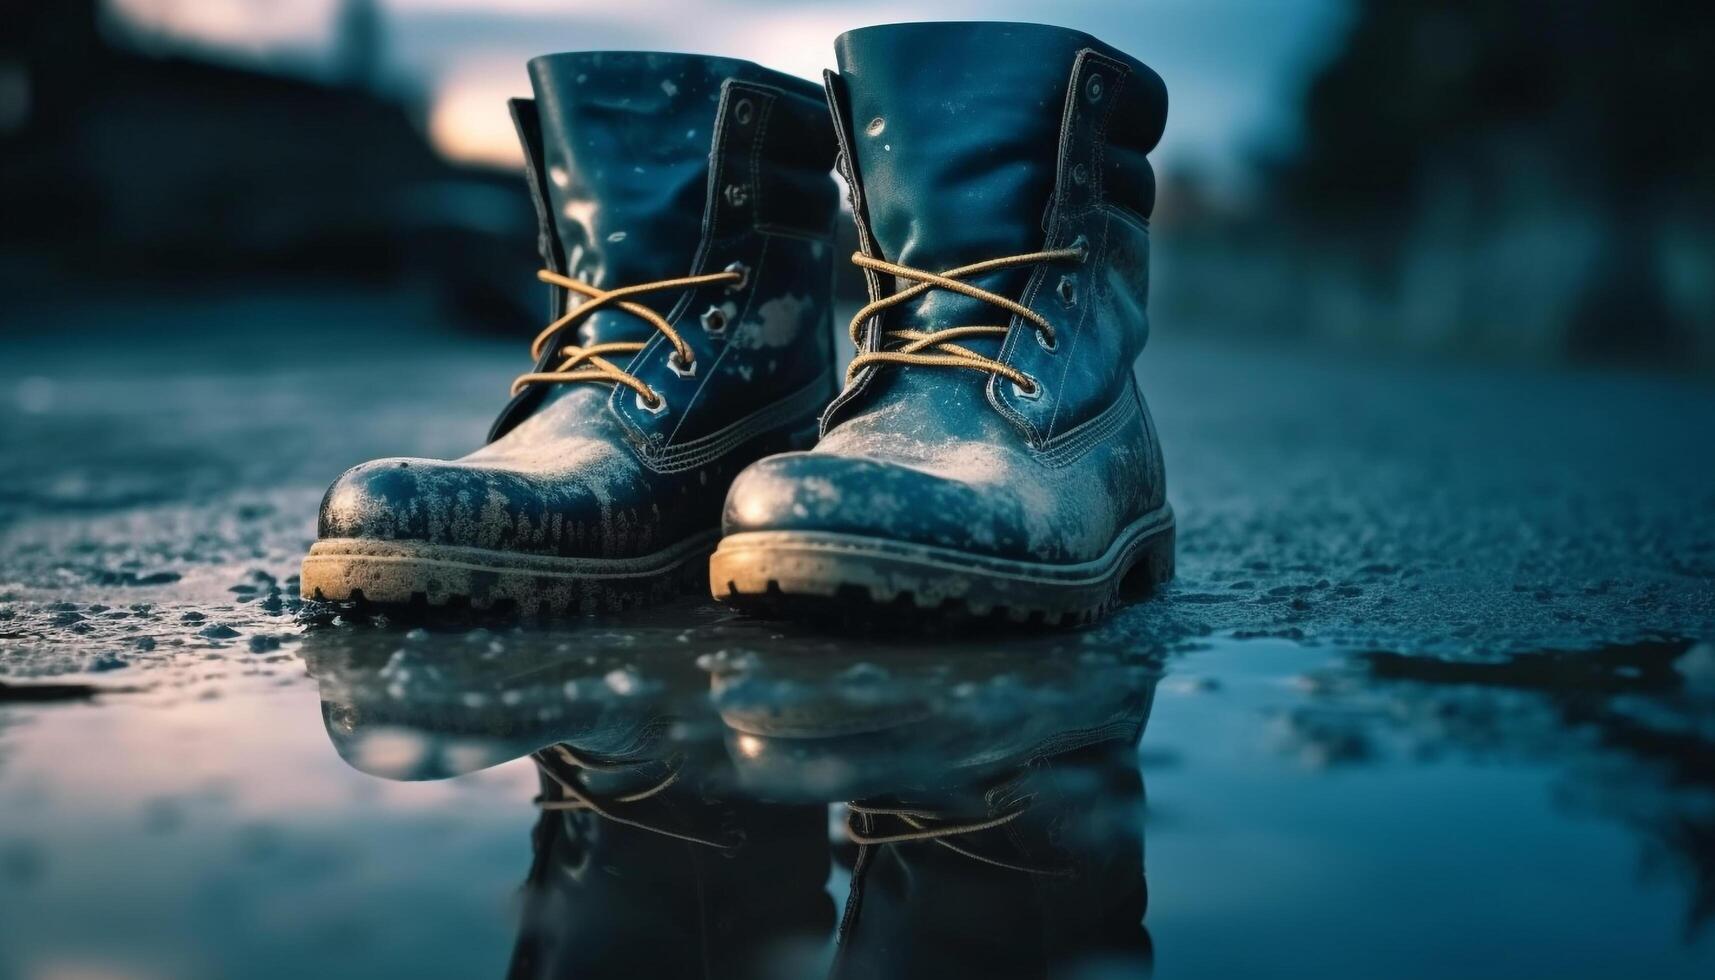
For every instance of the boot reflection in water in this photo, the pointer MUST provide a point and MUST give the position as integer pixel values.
(645, 864)
(997, 803)
(641, 871)
(1039, 875)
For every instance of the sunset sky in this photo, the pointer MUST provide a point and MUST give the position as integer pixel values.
(1234, 68)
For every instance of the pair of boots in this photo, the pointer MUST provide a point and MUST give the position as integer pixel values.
(987, 451)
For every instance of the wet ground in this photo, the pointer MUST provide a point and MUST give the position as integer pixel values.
(1433, 694)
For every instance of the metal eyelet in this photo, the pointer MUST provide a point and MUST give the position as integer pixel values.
(655, 409)
(681, 368)
(743, 111)
(1081, 245)
(1033, 393)
(1046, 340)
(1080, 174)
(1067, 290)
(743, 276)
(736, 195)
(714, 320)
(1094, 88)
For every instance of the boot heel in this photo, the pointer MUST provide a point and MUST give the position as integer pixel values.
(1154, 565)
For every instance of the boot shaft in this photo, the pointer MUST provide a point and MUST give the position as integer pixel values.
(645, 167)
(966, 142)
(623, 149)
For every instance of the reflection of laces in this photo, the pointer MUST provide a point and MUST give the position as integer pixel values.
(590, 363)
(926, 825)
(936, 347)
(577, 798)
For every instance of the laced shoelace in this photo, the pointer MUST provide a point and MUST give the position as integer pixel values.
(936, 347)
(580, 799)
(926, 825)
(591, 363)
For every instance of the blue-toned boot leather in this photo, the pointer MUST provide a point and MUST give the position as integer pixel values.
(1008, 470)
(603, 479)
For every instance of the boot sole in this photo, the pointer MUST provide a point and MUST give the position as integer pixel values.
(414, 574)
(811, 574)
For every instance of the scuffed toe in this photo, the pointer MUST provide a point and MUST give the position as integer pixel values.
(443, 503)
(824, 492)
(383, 500)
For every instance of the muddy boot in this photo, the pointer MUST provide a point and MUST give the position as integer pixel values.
(991, 453)
(687, 215)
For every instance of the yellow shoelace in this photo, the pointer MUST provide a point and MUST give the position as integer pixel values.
(591, 363)
(921, 825)
(577, 798)
(936, 347)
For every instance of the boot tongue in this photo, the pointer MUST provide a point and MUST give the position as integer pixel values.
(956, 129)
(625, 139)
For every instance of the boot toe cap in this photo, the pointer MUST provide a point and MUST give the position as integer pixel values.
(385, 499)
(825, 492)
(448, 503)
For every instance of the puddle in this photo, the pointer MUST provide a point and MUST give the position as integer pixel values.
(357, 800)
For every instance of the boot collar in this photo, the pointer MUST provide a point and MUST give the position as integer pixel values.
(963, 142)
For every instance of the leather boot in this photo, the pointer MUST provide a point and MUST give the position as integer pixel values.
(687, 210)
(991, 453)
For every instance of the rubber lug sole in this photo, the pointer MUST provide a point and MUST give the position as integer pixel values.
(415, 575)
(824, 575)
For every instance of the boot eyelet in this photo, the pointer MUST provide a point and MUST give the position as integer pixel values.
(736, 195)
(1081, 245)
(743, 111)
(1047, 341)
(714, 320)
(1094, 88)
(1029, 394)
(653, 408)
(743, 276)
(1067, 291)
(684, 369)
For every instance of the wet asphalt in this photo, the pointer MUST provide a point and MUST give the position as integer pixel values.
(165, 456)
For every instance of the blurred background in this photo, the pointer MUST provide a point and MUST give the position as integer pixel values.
(1520, 181)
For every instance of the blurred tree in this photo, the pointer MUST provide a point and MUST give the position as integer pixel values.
(48, 52)
(1480, 92)
(176, 163)
(358, 39)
